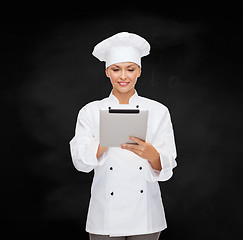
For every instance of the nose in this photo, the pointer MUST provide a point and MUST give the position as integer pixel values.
(123, 75)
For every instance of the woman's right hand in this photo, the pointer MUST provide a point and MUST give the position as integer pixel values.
(100, 151)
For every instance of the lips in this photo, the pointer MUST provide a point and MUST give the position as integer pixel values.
(123, 84)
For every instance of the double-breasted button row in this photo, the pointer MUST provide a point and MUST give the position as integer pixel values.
(141, 191)
(140, 168)
(137, 106)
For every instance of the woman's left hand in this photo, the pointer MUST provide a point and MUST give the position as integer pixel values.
(144, 150)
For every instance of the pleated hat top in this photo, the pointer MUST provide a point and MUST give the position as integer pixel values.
(122, 47)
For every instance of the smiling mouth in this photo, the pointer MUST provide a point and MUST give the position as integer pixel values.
(123, 84)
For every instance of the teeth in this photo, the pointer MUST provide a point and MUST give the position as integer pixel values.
(123, 83)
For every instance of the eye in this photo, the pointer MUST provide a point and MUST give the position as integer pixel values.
(115, 69)
(131, 70)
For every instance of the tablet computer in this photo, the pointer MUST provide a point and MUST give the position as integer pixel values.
(116, 125)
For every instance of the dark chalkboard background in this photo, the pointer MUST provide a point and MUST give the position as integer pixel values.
(48, 74)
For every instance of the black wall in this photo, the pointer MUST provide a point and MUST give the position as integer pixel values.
(48, 74)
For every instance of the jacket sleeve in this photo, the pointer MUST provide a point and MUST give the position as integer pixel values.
(164, 143)
(84, 144)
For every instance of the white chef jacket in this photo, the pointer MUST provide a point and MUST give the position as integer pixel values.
(125, 194)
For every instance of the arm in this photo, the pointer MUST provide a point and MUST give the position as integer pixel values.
(164, 142)
(100, 151)
(160, 153)
(84, 146)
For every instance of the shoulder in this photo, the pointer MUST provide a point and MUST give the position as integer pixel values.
(157, 111)
(93, 106)
(153, 105)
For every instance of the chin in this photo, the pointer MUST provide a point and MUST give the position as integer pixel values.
(124, 90)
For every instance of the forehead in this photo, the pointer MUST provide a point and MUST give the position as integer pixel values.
(124, 64)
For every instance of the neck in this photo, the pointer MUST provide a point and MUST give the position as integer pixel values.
(123, 98)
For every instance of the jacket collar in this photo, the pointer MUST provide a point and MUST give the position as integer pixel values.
(132, 101)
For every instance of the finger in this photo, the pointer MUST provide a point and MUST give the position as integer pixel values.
(130, 146)
(137, 140)
(137, 149)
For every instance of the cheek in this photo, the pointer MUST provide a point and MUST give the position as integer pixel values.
(133, 76)
(113, 78)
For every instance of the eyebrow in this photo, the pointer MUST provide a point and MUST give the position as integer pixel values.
(132, 65)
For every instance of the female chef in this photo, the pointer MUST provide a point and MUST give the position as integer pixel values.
(125, 195)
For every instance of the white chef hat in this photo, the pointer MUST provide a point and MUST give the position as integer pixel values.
(122, 47)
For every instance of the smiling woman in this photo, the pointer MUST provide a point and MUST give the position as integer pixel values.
(125, 195)
(123, 77)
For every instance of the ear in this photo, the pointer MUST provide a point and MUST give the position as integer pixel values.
(139, 72)
(107, 72)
